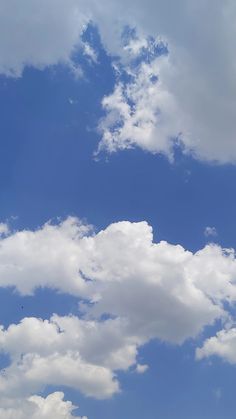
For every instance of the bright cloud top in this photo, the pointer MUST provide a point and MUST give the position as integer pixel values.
(36, 407)
(71, 258)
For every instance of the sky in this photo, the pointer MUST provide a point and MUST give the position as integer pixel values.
(117, 215)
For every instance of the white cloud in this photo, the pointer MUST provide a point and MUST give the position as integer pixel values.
(142, 113)
(116, 271)
(195, 95)
(33, 372)
(68, 351)
(46, 257)
(222, 345)
(36, 407)
(199, 77)
(116, 261)
(196, 92)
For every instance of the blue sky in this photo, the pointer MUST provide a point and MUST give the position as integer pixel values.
(134, 315)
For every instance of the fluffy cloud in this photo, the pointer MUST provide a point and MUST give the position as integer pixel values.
(115, 272)
(36, 407)
(34, 372)
(222, 345)
(48, 257)
(184, 290)
(67, 350)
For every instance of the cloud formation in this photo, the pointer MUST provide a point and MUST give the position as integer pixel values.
(114, 272)
(71, 258)
(36, 407)
(142, 112)
(197, 79)
(66, 351)
(194, 98)
(222, 345)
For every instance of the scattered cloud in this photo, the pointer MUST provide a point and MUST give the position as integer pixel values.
(189, 101)
(90, 52)
(72, 101)
(141, 368)
(210, 232)
(175, 86)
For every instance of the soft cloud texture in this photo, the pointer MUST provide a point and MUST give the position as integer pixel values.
(48, 257)
(68, 351)
(38, 33)
(36, 407)
(142, 113)
(115, 272)
(222, 345)
(70, 258)
(199, 76)
(195, 95)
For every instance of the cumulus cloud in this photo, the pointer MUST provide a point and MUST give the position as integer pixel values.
(47, 257)
(114, 272)
(34, 372)
(36, 407)
(73, 352)
(123, 261)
